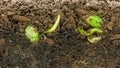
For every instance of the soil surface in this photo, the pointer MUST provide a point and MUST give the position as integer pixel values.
(65, 47)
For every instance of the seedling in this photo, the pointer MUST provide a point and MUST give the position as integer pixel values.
(32, 34)
(81, 30)
(93, 30)
(94, 21)
(90, 31)
(54, 26)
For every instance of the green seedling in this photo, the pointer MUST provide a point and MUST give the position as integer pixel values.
(54, 26)
(94, 21)
(32, 34)
(82, 31)
(90, 31)
(93, 30)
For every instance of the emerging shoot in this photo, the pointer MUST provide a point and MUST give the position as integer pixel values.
(94, 21)
(90, 31)
(93, 30)
(32, 34)
(54, 26)
(82, 31)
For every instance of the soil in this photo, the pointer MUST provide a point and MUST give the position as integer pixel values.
(65, 47)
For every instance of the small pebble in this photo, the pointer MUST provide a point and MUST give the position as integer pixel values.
(21, 18)
(80, 11)
(113, 19)
(2, 41)
(110, 26)
(115, 37)
(10, 13)
(49, 41)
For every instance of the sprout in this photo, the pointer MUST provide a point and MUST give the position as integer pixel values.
(94, 21)
(32, 34)
(93, 39)
(93, 30)
(54, 26)
(82, 31)
(90, 31)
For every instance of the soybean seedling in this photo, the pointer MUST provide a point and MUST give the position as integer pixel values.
(32, 34)
(54, 26)
(90, 31)
(94, 21)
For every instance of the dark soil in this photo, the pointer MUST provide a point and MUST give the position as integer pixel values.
(65, 47)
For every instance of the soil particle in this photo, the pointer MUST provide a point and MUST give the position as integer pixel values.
(80, 11)
(6, 9)
(110, 26)
(113, 19)
(49, 41)
(5, 18)
(65, 8)
(115, 37)
(2, 41)
(71, 23)
(95, 8)
(9, 13)
(21, 18)
(5, 55)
